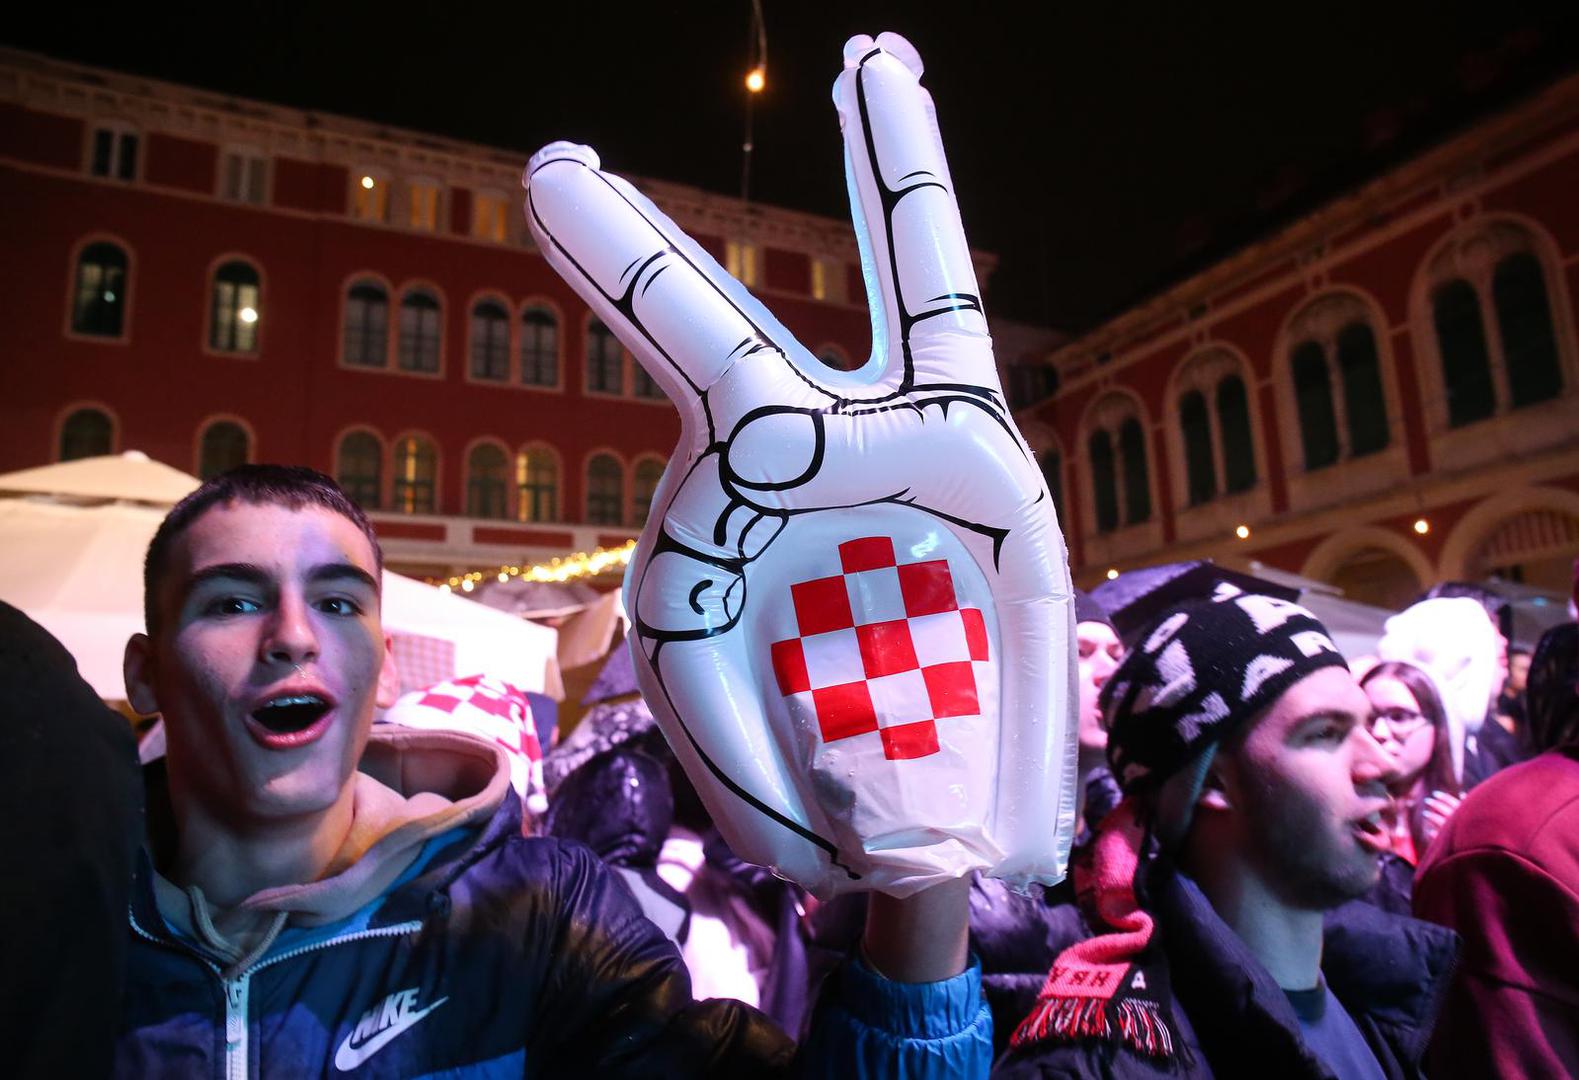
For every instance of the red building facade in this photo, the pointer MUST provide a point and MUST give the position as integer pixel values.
(1382, 395)
(210, 280)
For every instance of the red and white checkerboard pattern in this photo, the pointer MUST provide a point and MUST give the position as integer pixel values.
(882, 647)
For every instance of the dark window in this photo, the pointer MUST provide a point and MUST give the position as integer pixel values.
(419, 332)
(1529, 344)
(648, 473)
(1104, 481)
(1318, 424)
(234, 314)
(99, 307)
(1363, 400)
(537, 485)
(223, 447)
(86, 433)
(114, 154)
(1466, 366)
(416, 473)
(1196, 426)
(1053, 472)
(644, 385)
(605, 360)
(359, 467)
(490, 343)
(605, 491)
(1233, 420)
(487, 472)
(367, 325)
(245, 176)
(539, 347)
(1137, 488)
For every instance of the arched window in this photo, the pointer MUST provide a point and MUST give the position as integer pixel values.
(1466, 364)
(487, 476)
(86, 433)
(224, 445)
(644, 385)
(605, 490)
(416, 475)
(1363, 398)
(1053, 472)
(1529, 342)
(1233, 421)
(539, 347)
(233, 308)
(648, 473)
(537, 484)
(605, 360)
(1196, 427)
(99, 306)
(1104, 480)
(1137, 484)
(1318, 424)
(359, 468)
(490, 341)
(419, 332)
(367, 325)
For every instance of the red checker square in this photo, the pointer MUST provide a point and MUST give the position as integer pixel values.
(868, 553)
(822, 605)
(844, 710)
(952, 689)
(910, 740)
(975, 632)
(496, 706)
(886, 648)
(928, 587)
(442, 702)
(789, 664)
(469, 680)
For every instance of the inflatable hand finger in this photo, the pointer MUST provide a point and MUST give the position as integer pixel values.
(851, 605)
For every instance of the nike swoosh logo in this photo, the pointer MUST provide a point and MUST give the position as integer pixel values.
(348, 1057)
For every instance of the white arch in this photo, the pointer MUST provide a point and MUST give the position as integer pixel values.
(1328, 555)
(1474, 527)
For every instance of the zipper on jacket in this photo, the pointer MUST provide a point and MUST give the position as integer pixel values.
(236, 1026)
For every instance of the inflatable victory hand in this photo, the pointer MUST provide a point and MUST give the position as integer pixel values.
(851, 605)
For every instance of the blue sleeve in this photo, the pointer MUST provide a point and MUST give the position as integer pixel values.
(869, 1026)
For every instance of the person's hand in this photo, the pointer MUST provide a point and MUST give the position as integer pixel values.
(1436, 809)
(847, 578)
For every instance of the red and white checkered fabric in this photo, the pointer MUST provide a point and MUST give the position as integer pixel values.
(490, 709)
(883, 648)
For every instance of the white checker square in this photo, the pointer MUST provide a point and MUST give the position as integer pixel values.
(900, 699)
(833, 658)
(939, 639)
(875, 596)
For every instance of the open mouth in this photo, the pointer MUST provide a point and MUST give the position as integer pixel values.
(290, 714)
(1371, 833)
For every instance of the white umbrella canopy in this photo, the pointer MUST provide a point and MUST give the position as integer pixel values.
(77, 571)
(129, 477)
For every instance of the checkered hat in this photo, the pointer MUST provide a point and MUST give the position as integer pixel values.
(1201, 670)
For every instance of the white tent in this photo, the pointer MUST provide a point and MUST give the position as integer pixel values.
(77, 571)
(129, 477)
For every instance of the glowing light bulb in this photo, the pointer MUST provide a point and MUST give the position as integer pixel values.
(1422, 526)
(248, 315)
(367, 182)
(444, 587)
(1243, 532)
(503, 577)
(756, 80)
(1112, 574)
(466, 586)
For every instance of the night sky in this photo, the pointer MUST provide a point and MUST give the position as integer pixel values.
(1101, 150)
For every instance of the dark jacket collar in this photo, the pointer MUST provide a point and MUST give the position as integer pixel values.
(1388, 971)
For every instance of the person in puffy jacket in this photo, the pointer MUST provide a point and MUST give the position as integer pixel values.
(1221, 894)
(315, 898)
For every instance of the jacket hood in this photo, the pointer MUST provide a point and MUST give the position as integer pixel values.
(410, 786)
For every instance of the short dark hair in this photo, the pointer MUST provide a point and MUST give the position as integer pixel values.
(1552, 694)
(291, 486)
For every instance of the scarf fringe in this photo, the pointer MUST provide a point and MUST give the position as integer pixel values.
(1140, 1025)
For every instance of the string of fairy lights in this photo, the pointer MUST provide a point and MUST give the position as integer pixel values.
(583, 564)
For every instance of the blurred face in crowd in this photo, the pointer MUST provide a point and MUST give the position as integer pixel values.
(1405, 735)
(1098, 652)
(1518, 671)
(1300, 798)
(269, 661)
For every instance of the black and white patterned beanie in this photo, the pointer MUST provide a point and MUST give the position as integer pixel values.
(1200, 671)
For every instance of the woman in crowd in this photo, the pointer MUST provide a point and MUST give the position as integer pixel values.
(1409, 721)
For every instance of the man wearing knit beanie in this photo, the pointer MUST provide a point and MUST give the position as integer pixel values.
(1218, 892)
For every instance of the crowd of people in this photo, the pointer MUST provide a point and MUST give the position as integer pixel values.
(1287, 863)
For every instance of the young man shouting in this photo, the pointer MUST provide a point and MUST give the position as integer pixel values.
(315, 900)
(1238, 736)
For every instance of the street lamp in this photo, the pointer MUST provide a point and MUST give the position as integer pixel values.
(756, 82)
